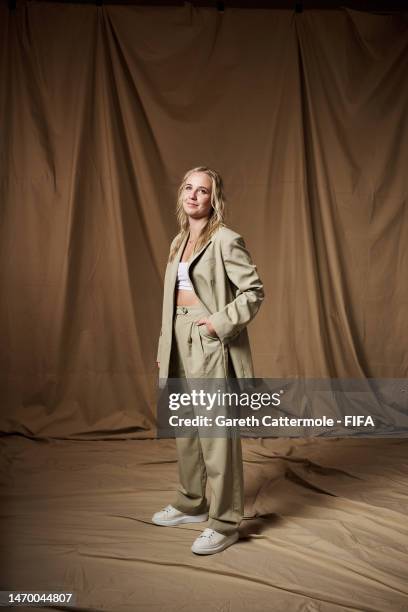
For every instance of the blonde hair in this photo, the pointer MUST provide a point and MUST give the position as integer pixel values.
(217, 214)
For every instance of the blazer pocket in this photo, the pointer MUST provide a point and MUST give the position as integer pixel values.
(202, 330)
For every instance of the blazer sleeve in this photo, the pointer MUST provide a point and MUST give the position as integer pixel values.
(241, 271)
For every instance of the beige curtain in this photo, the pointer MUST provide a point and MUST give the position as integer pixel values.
(102, 111)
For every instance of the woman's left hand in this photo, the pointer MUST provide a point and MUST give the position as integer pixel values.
(210, 329)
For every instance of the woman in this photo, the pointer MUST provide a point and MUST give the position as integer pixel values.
(211, 292)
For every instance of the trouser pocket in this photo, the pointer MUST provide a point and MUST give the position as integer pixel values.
(207, 354)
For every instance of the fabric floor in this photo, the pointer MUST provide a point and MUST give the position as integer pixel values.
(325, 527)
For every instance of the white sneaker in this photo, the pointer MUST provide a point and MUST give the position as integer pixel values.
(171, 516)
(211, 541)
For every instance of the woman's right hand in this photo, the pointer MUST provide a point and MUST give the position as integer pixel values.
(158, 364)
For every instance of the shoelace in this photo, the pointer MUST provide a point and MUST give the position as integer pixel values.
(207, 533)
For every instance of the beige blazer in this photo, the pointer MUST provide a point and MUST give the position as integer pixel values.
(227, 284)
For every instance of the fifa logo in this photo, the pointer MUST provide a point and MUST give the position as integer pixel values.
(357, 420)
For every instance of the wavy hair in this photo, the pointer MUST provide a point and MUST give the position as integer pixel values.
(217, 214)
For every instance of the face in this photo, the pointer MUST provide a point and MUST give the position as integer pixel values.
(196, 195)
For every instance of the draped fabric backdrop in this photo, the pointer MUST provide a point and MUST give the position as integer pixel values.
(103, 109)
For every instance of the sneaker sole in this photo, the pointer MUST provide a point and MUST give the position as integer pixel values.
(215, 549)
(199, 518)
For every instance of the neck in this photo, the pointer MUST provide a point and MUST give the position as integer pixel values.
(196, 225)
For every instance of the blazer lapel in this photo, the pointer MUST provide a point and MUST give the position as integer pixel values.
(198, 253)
(175, 263)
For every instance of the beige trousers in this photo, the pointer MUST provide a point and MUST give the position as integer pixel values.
(216, 459)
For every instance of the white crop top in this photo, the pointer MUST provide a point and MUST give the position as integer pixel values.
(183, 281)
